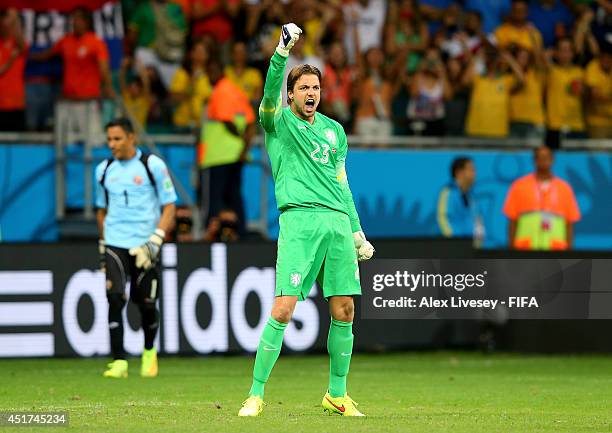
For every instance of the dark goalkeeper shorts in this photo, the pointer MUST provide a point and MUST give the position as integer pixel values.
(120, 265)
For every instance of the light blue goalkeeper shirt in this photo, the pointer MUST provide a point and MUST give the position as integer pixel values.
(134, 204)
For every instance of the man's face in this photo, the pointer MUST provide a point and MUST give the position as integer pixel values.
(135, 89)
(199, 54)
(565, 52)
(472, 22)
(120, 143)
(519, 12)
(306, 95)
(337, 56)
(467, 175)
(239, 53)
(543, 159)
(79, 23)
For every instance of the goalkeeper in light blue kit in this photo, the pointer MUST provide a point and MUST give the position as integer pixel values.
(320, 234)
(131, 189)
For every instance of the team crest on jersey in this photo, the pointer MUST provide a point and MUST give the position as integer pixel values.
(331, 136)
(138, 180)
(295, 279)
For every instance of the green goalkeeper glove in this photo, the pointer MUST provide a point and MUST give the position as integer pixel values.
(147, 254)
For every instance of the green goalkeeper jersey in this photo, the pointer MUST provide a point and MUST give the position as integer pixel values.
(308, 161)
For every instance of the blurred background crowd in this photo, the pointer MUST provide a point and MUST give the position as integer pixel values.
(492, 68)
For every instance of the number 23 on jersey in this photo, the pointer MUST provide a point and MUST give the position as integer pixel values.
(320, 152)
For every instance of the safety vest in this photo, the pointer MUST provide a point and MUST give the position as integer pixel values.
(541, 213)
(540, 230)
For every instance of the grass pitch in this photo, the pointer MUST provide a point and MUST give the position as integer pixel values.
(423, 392)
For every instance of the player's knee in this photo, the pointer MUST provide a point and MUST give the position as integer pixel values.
(282, 313)
(283, 307)
(344, 312)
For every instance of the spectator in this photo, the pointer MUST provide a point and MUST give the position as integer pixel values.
(541, 208)
(372, 117)
(191, 88)
(449, 25)
(338, 85)
(468, 38)
(564, 92)
(247, 78)
(476, 36)
(550, 17)
(13, 51)
(136, 92)
(464, 44)
(601, 26)
(223, 149)
(598, 80)
(224, 228)
(456, 107)
(460, 50)
(85, 74)
(85, 58)
(585, 42)
(527, 103)
(406, 33)
(491, 11)
(214, 18)
(458, 214)
(429, 89)
(517, 30)
(489, 110)
(156, 35)
(367, 18)
(161, 110)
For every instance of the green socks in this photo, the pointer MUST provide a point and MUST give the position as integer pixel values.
(340, 348)
(267, 353)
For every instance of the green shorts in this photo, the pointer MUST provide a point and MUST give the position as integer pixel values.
(316, 244)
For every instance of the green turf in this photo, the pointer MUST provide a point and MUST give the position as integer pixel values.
(433, 392)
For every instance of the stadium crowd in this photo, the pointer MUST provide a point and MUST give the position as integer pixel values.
(492, 68)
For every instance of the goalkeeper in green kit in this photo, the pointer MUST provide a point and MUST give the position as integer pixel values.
(320, 234)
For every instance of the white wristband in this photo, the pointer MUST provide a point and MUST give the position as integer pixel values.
(158, 236)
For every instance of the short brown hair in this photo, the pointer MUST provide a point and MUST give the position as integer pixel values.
(297, 72)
